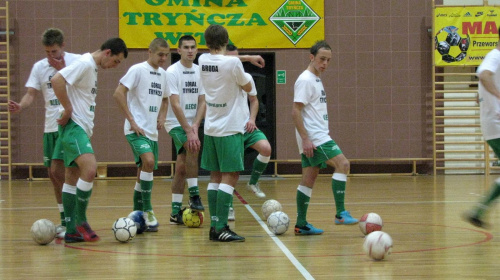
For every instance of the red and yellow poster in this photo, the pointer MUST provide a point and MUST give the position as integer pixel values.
(464, 35)
(251, 24)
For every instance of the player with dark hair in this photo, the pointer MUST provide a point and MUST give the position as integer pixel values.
(39, 82)
(253, 138)
(489, 108)
(317, 149)
(186, 110)
(76, 88)
(142, 97)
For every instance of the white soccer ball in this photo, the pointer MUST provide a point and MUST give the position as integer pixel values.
(43, 231)
(278, 222)
(124, 229)
(378, 245)
(269, 207)
(370, 222)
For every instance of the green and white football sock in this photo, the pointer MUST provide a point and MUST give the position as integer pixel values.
(176, 203)
(69, 203)
(193, 187)
(146, 179)
(338, 187)
(303, 197)
(137, 197)
(259, 165)
(212, 190)
(83, 193)
(224, 197)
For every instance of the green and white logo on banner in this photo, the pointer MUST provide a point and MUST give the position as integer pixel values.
(294, 18)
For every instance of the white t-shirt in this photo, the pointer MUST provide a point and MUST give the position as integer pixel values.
(147, 87)
(253, 92)
(186, 83)
(309, 91)
(488, 103)
(39, 79)
(81, 84)
(222, 77)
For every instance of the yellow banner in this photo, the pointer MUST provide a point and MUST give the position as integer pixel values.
(254, 24)
(464, 35)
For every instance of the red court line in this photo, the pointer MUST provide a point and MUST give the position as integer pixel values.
(240, 197)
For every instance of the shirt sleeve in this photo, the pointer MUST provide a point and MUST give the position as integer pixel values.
(302, 92)
(34, 78)
(490, 63)
(172, 81)
(74, 72)
(130, 80)
(239, 73)
(253, 92)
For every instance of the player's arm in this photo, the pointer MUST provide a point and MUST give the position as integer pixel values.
(307, 146)
(120, 97)
(59, 86)
(487, 78)
(162, 115)
(26, 101)
(200, 113)
(256, 60)
(247, 87)
(193, 143)
(254, 109)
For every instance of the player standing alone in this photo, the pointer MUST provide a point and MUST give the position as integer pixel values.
(317, 149)
(489, 104)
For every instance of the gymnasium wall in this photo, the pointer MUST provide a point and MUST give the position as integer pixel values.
(378, 84)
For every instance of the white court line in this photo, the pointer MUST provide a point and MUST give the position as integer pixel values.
(280, 244)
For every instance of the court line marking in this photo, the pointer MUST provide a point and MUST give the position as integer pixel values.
(24, 208)
(276, 240)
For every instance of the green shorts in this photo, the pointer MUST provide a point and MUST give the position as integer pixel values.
(250, 138)
(224, 154)
(140, 145)
(75, 142)
(323, 153)
(179, 136)
(495, 146)
(51, 144)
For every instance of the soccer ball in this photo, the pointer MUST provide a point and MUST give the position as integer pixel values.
(278, 222)
(124, 229)
(370, 222)
(269, 207)
(192, 218)
(43, 231)
(453, 47)
(378, 245)
(140, 223)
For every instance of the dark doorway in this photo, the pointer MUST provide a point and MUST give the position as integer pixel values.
(266, 118)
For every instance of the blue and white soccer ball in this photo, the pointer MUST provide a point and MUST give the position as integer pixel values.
(138, 218)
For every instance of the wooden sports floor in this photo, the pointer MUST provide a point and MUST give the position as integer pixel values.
(420, 213)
